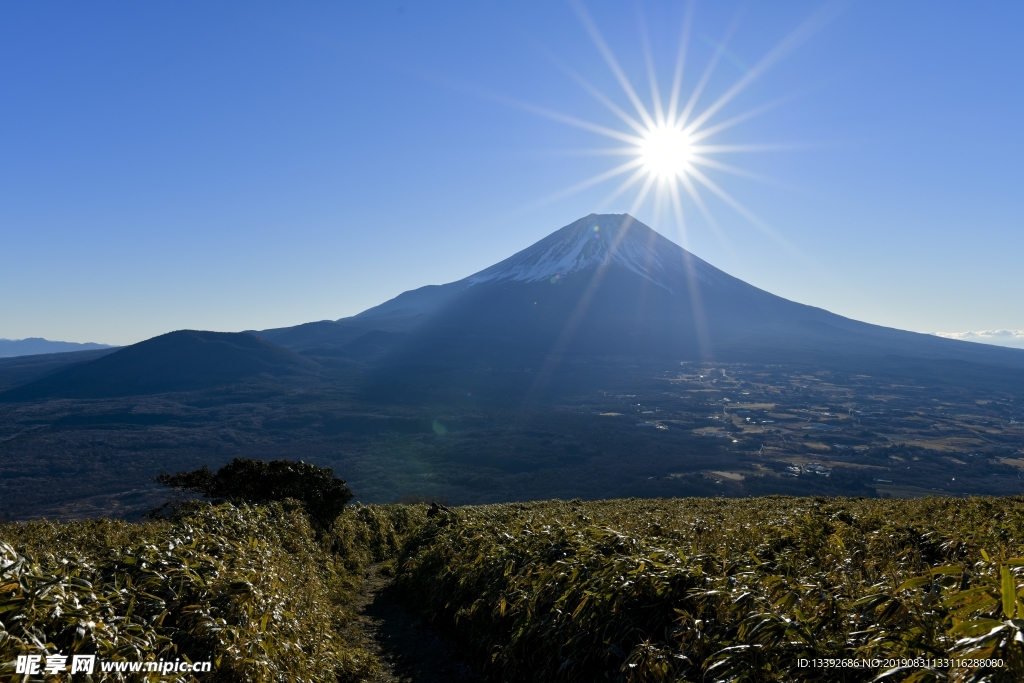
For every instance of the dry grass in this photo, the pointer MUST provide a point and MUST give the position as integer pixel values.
(727, 590)
(255, 590)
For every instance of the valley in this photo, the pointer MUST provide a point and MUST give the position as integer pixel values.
(684, 429)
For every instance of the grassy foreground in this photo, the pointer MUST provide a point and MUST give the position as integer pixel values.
(626, 590)
(254, 590)
(735, 590)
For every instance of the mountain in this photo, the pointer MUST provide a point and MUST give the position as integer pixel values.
(607, 286)
(605, 289)
(19, 370)
(185, 360)
(37, 345)
(602, 361)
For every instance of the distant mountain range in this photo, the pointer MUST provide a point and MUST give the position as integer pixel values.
(37, 345)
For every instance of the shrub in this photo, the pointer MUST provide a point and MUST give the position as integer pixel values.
(254, 481)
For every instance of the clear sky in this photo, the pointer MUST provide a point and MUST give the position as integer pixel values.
(234, 166)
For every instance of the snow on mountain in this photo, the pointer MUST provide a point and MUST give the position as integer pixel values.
(598, 241)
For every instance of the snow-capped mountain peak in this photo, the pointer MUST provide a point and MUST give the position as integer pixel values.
(599, 241)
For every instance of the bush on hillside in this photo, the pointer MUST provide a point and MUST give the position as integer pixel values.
(255, 481)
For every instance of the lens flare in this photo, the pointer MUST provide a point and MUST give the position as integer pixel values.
(669, 144)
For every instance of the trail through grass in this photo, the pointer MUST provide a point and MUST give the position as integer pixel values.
(408, 650)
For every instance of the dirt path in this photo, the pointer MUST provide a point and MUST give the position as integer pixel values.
(409, 651)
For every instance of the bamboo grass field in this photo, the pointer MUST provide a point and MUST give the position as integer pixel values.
(251, 589)
(757, 589)
(730, 590)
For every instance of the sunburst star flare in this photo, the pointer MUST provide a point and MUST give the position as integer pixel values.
(668, 139)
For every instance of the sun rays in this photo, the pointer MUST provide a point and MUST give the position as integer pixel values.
(670, 141)
(667, 144)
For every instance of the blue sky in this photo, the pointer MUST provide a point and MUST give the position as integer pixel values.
(252, 165)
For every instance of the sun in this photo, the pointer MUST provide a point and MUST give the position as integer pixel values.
(672, 143)
(666, 152)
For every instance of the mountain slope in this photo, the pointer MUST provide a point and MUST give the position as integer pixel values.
(20, 370)
(185, 360)
(607, 285)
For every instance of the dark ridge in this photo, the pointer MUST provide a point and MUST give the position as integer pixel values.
(328, 337)
(20, 370)
(185, 360)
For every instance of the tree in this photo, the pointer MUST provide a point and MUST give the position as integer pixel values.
(255, 481)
